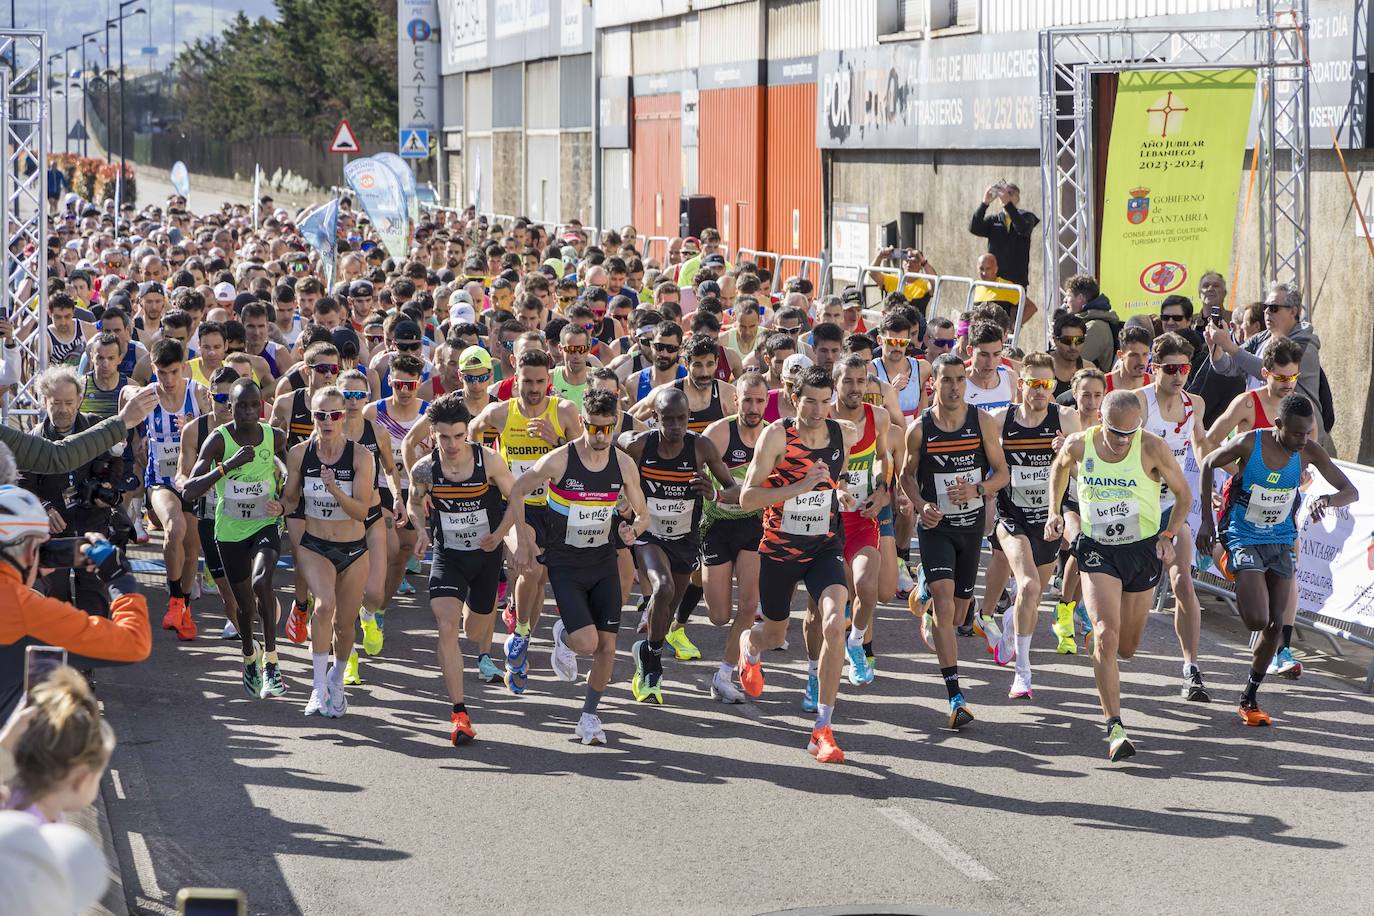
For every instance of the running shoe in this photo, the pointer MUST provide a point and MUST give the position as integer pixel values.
(1253, 715)
(928, 629)
(186, 627)
(351, 676)
(230, 631)
(374, 637)
(298, 624)
(517, 650)
(1085, 623)
(905, 584)
(682, 646)
(1021, 688)
(487, 670)
(461, 731)
(517, 679)
(1004, 653)
(1119, 745)
(172, 618)
(315, 705)
(644, 684)
(252, 676)
(413, 564)
(985, 625)
(724, 690)
(336, 705)
(140, 532)
(272, 684)
(822, 746)
(207, 583)
(405, 588)
(1285, 665)
(1063, 629)
(564, 659)
(589, 729)
(508, 616)
(959, 713)
(1193, 689)
(750, 673)
(811, 697)
(860, 672)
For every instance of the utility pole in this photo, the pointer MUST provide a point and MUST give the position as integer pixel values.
(67, 96)
(122, 124)
(108, 74)
(88, 37)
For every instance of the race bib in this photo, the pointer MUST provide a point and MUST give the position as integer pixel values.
(320, 503)
(588, 526)
(1269, 507)
(246, 499)
(464, 530)
(168, 459)
(670, 518)
(808, 513)
(1030, 487)
(1114, 522)
(860, 483)
(956, 507)
(540, 496)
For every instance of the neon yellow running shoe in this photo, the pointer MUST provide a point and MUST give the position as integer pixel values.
(351, 675)
(682, 646)
(372, 633)
(1063, 629)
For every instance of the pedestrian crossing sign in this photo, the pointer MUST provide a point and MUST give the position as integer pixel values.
(414, 143)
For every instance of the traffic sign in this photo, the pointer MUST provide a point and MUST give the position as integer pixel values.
(414, 143)
(78, 131)
(344, 139)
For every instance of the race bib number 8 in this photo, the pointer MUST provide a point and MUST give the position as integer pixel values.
(670, 518)
(808, 513)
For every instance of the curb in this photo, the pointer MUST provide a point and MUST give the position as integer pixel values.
(95, 820)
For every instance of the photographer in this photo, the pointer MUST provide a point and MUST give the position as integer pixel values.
(80, 500)
(34, 453)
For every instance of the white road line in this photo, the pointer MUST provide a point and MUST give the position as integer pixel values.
(143, 866)
(118, 784)
(937, 843)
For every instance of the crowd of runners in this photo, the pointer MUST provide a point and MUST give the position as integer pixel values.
(532, 415)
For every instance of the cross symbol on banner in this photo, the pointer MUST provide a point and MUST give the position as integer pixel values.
(1167, 109)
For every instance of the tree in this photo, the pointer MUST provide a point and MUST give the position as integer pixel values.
(322, 60)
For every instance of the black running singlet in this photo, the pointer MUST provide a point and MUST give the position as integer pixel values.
(674, 504)
(1030, 452)
(948, 458)
(463, 511)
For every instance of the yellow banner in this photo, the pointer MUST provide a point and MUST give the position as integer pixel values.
(1173, 174)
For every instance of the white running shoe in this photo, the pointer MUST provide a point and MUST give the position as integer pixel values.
(723, 689)
(230, 631)
(140, 533)
(564, 659)
(336, 704)
(315, 705)
(1021, 688)
(904, 581)
(589, 729)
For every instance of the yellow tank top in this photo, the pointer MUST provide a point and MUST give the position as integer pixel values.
(198, 373)
(1118, 501)
(521, 449)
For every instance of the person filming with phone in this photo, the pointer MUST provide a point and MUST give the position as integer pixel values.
(30, 619)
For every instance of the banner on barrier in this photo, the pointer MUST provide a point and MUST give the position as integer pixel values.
(381, 195)
(1173, 175)
(1336, 554)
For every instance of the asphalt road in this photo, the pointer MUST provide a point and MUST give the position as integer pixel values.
(699, 808)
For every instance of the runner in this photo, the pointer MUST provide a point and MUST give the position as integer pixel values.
(730, 536)
(570, 379)
(708, 398)
(954, 466)
(531, 426)
(239, 460)
(666, 367)
(798, 478)
(1132, 361)
(991, 382)
(464, 484)
(180, 401)
(1120, 467)
(193, 438)
(333, 476)
(583, 480)
(1089, 388)
(1259, 524)
(672, 463)
(1175, 416)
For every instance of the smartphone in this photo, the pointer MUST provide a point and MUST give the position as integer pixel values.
(39, 663)
(1215, 317)
(900, 255)
(211, 901)
(59, 553)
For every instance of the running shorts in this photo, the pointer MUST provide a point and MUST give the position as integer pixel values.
(1135, 564)
(587, 596)
(727, 538)
(471, 576)
(210, 548)
(238, 555)
(684, 553)
(859, 532)
(1042, 551)
(1274, 558)
(951, 555)
(778, 580)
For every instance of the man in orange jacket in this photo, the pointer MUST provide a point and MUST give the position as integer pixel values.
(27, 618)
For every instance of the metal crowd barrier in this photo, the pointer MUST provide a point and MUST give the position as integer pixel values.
(652, 241)
(805, 265)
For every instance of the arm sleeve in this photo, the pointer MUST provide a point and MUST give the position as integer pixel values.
(125, 637)
(978, 226)
(34, 453)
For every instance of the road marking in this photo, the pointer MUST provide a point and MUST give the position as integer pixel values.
(118, 784)
(937, 844)
(143, 866)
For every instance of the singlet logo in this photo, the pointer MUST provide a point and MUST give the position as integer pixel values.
(574, 484)
(835, 455)
(1273, 477)
(1088, 465)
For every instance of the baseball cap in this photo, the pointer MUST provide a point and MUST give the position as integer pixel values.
(152, 286)
(568, 253)
(360, 288)
(346, 339)
(691, 242)
(225, 292)
(557, 265)
(708, 288)
(713, 260)
(474, 357)
(406, 330)
(851, 297)
(795, 365)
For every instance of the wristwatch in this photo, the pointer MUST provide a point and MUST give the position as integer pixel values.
(979, 488)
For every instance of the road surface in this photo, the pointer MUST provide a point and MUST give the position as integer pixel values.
(699, 808)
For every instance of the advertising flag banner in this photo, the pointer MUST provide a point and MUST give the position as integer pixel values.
(180, 178)
(382, 198)
(1174, 170)
(320, 229)
(401, 169)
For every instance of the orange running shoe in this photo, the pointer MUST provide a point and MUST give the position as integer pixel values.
(750, 673)
(172, 619)
(297, 625)
(186, 626)
(1253, 715)
(461, 732)
(822, 746)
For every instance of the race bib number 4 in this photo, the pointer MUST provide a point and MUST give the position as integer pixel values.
(588, 526)
(463, 530)
(1268, 507)
(808, 513)
(670, 518)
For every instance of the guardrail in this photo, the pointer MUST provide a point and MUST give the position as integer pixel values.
(652, 241)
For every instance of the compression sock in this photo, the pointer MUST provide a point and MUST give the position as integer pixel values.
(1252, 683)
(823, 714)
(1023, 667)
(318, 663)
(591, 701)
(691, 597)
(1286, 640)
(868, 649)
(460, 707)
(1113, 720)
(522, 629)
(857, 636)
(813, 666)
(951, 676)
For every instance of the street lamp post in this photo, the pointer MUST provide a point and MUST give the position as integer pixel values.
(121, 17)
(67, 96)
(88, 37)
(52, 136)
(108, 74)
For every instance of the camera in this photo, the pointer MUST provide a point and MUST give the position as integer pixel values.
(105, 480)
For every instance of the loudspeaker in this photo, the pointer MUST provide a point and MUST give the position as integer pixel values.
(696, 212)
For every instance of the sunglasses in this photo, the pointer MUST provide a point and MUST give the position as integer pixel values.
(793, 331)
(567, 299)
(327, 414)
(1124, 433)
(508, 344)
(408, 346)
(1175, 368)
(325, 368)
(1284, 378)
(405, 384)
(1273, 306)
(943, 342)
(599, 313)
(666, 348)
(576, 349)
(1045, 383)
(1075, 340)
(589, 326)
(221, 398)
(1171, 318)
(355, 395)
(598, 429)
(477, 379)
(896, 341)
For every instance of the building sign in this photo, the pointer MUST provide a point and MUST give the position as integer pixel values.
(848, 240)
(465, 35)
(613, 113)
(511, 17)
(417, 64)
(570, 25)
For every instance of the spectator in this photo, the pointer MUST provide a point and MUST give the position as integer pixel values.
(1008, 233)
(989, 271)
(1218, 390)
(912, 261)
(1211, 291)
(1084, 298)
(29, 452)
(1176, 315)
(50, 870)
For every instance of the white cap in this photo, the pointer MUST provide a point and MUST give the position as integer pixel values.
(796, 364)
(225, 292)
(48, 869)
(460, 311)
